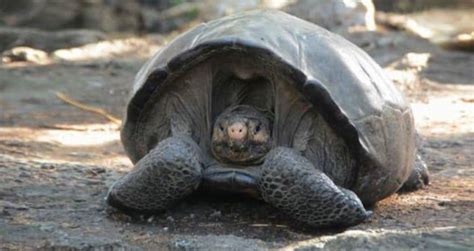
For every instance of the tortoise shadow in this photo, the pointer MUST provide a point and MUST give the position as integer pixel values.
(226, 214)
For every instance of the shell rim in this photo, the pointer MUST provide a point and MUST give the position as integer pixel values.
(312, 90)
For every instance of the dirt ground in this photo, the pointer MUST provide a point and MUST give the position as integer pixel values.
(57, 161)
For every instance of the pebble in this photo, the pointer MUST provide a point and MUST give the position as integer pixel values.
(11, 205)
(150, 220)
(183, 244)
(99, 169)
(216, 214)
(47, 227)
(47, 166)
(4, 212)
(24, 175)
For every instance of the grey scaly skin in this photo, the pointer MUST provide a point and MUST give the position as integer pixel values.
(168, 173)
(281, 176)
(291, 183)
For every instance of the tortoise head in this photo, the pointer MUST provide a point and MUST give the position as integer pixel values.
(241, 135)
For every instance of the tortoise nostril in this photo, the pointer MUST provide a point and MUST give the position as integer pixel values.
(237, 131)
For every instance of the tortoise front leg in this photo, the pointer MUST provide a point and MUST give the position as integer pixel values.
(291, 183)
(169, 172)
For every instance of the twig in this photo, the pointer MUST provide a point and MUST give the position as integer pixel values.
(88, 108)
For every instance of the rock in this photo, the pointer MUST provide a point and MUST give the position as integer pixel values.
(105, 15)
(442, 238)
(164, 16)
(4, 212)
(215, 214)
(412, 61)
(44, 40)
(216, 242)
(172, 18)
(215, 9)
(10, 205)
(106, 49)
(47, 227)
(45, 14)
(181, 14)
(450, 31)
(404, 6)
(276, 4)
(150, 220)
(25, 54)
(123, 15)
(98, 169)
(47, 166)
(335, 14)
(331, 14)
(416, 60)
(462, 42)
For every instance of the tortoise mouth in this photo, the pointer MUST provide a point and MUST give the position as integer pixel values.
(243, 153)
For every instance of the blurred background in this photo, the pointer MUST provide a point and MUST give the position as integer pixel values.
(66, 70)
(100, 17)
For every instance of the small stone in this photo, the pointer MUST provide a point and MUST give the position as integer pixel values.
(25, 54)
(81, 155)
(47, 166)
(69, 225)
(170, 219)
(4, 212)
(24, 175)
(99, 170)
(150, 220)
(11, 205)
(216, 214)
(165, 229)
(47, 227)
(183, 244)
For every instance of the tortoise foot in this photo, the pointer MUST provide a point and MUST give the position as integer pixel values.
(418, 178)
(291, 183)
(169, 172)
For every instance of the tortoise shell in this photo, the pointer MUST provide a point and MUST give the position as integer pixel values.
(287, 67)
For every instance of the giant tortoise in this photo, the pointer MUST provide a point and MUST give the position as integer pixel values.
(269, 105)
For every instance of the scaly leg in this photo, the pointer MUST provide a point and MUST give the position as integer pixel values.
(169, 172)
(291, 183)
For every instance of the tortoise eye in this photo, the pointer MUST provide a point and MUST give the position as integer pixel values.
(221, 128)
(258, 128)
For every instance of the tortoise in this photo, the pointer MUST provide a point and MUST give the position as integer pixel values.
(266, 104)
